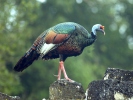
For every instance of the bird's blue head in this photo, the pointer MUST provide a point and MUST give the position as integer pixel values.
(98, 27)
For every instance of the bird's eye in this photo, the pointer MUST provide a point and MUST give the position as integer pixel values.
(101, 27)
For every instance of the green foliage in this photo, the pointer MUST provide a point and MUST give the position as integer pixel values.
(21, 21)
(9, 82)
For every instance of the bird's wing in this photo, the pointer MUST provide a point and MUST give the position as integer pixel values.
(56, 36)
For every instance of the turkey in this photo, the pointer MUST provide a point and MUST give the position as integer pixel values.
(60, 41)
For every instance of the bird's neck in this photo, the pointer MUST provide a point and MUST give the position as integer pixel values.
(93, 35)
(90, 40)
(94, 29)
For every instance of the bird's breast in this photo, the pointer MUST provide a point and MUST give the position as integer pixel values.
(69, 48)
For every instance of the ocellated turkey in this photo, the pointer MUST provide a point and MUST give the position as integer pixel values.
(60, 41)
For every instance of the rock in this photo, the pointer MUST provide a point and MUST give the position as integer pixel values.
(7, 97)
(65, 90)
(110, 90)
(119, 74)
(117, 85)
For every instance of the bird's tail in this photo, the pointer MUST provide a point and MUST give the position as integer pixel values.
(26, 60)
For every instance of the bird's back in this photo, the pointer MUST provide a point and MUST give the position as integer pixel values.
(74, 42)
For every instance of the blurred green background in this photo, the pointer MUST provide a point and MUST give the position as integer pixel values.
(21, 21)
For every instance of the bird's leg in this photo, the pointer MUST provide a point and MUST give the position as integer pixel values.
(62, 68)
(59, 73)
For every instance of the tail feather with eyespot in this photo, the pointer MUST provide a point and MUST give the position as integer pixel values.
(26, 60)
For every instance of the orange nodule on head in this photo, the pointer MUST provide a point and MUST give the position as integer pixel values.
(102, 27)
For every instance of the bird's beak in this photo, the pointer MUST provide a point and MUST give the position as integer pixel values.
(103, 32)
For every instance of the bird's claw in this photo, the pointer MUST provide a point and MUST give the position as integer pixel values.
(58, 78)
(56, 75)
(70, 80)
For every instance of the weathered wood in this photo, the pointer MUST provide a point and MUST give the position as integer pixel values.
(7, 97)
(65, 90)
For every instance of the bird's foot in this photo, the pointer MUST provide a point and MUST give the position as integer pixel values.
(58, 77)
(70, 80)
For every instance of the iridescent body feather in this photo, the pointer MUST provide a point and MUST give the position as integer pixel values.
(60, 41)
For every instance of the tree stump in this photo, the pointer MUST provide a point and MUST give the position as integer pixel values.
(65, 90)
